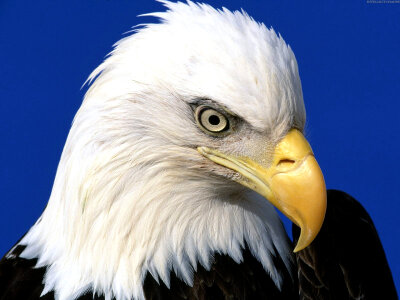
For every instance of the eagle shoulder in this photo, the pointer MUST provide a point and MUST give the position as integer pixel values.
(346, 260)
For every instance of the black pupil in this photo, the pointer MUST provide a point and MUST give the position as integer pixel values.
(214, 120)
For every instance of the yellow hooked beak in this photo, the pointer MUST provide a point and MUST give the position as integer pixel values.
(293, 183)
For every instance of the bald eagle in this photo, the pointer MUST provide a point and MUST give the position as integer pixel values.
(190, 134)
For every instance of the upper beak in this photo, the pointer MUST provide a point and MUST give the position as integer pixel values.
(293, 183)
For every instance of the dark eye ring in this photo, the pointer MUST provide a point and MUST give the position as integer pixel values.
(211, 120)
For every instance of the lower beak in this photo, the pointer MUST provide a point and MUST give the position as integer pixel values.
(293, 183)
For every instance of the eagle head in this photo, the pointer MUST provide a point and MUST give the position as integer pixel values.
(190, 133)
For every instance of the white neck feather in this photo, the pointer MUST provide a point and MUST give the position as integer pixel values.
(115, 215)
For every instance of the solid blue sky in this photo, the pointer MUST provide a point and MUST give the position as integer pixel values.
(348, 56)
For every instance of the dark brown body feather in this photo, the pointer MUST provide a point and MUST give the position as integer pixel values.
(346, 261)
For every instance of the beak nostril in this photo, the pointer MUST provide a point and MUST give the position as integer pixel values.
(286, 162)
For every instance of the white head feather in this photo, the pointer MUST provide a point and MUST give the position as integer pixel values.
(131, 195)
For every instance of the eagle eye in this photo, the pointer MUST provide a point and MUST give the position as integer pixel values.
(211, 120)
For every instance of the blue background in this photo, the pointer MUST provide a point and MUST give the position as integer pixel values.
(348, 56)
